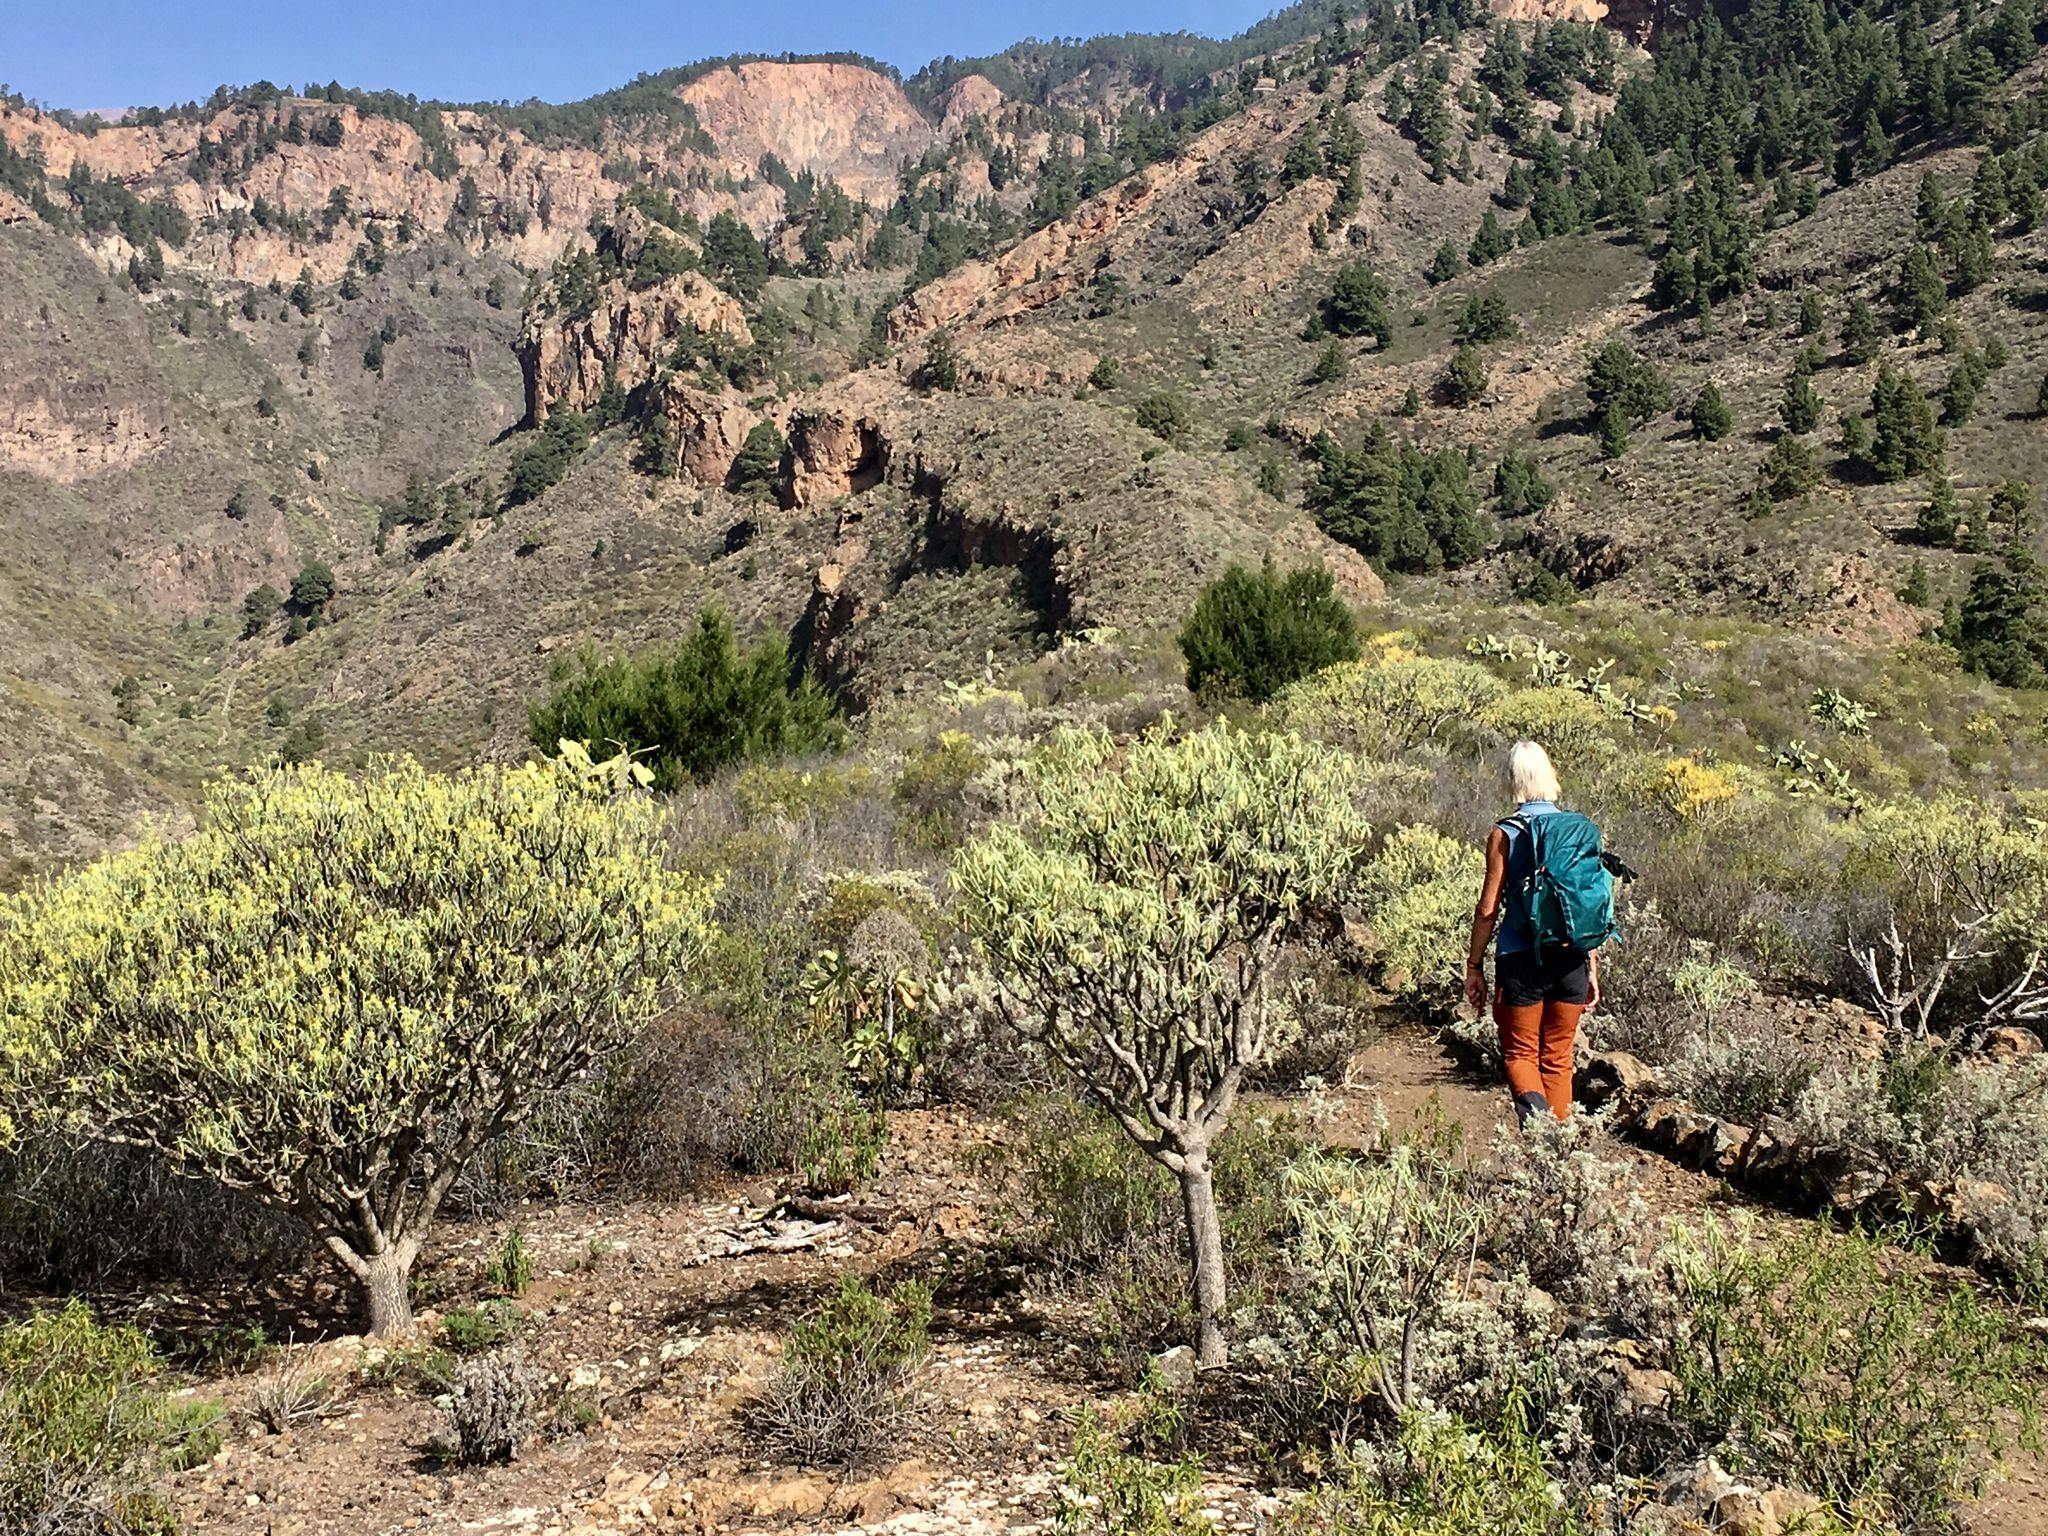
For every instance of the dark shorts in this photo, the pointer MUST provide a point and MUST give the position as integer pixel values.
(1559, 977)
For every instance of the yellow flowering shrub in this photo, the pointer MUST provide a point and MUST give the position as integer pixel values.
(338, 990)
(1380, 705)
(1417, 896)
(1570, 724)
(1693, 790)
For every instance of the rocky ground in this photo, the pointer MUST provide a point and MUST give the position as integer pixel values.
(659, 1324)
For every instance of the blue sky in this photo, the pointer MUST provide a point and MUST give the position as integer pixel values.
(104, 54)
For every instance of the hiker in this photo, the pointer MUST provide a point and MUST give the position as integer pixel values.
(1547, 904)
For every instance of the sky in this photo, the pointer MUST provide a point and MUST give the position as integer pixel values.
(101, 55)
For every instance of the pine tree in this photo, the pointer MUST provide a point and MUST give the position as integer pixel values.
(1411, 403)
(758, 468)
(1904, 438)
(1859, 333)
(301, 295)
(1711, 418)
(1965, 382)
(1921, 298)
(1916, 591)
(1811, 315)
(1446, 264)
(1490, 243)
(1357, 305)
(1801, 405)
(2041, 397)
(1331, 365)
(1614, 424)
(1939, 519)
(1465, 377)
(1788, 469)
(1303, 161)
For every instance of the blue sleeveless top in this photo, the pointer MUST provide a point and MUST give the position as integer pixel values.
(1512, 937)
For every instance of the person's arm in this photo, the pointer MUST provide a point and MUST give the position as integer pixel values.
(1592, 981)
(1484, 916)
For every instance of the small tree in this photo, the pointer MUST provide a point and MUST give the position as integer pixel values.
(1357, 305)
(1485, 317)
(1788, 469)
(1613, 431)
(259, 607)
(1164, 415)
(1800, 406)
(1465, 376)
(692, 708)
(312, 589)
(1254, 632)
(1939, 519)
(1131, 923)
(1331, 365)
(1711, 418)
(940, 368)
(758, 469)
(338, 991)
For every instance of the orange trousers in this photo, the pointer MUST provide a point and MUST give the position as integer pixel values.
(1537, 1042)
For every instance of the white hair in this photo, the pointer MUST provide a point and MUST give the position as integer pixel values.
(1531, 775)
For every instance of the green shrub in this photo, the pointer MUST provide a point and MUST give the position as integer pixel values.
(1823, 1361)
(83, 1429)
(1253, 633)
(931, 792)
(1414, 894)
(511, 1267)
(848, 1384)
(147, 997)
(1107, 1490)
(1391, 702)
(1164, 415)
(693, 709)
(1743, 1076)
(473, 1330)
(842, 1146)
(1441, 1477)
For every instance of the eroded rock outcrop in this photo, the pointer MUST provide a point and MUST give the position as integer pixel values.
(72, 433)
(834, 452)
(840, 121)
(577, 331)
(706, 430)
(629, 333)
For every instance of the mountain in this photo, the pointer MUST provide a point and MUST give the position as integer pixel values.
(935, 374)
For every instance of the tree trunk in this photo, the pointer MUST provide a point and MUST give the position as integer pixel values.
(384, 1278)
(1205, 1254)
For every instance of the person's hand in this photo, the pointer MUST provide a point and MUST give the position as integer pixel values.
(1592, 987)
(1475, 987)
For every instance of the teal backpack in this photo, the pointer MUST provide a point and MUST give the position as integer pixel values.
(1567, 897)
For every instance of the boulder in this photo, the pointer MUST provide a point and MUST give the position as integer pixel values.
(1612, 1075)
(2008, 1042)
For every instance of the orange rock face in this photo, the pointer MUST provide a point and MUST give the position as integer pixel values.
(841, 121)
(834, 453)
(707, 431)
(631, 333)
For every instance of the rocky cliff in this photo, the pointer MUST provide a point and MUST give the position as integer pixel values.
(839, 121)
